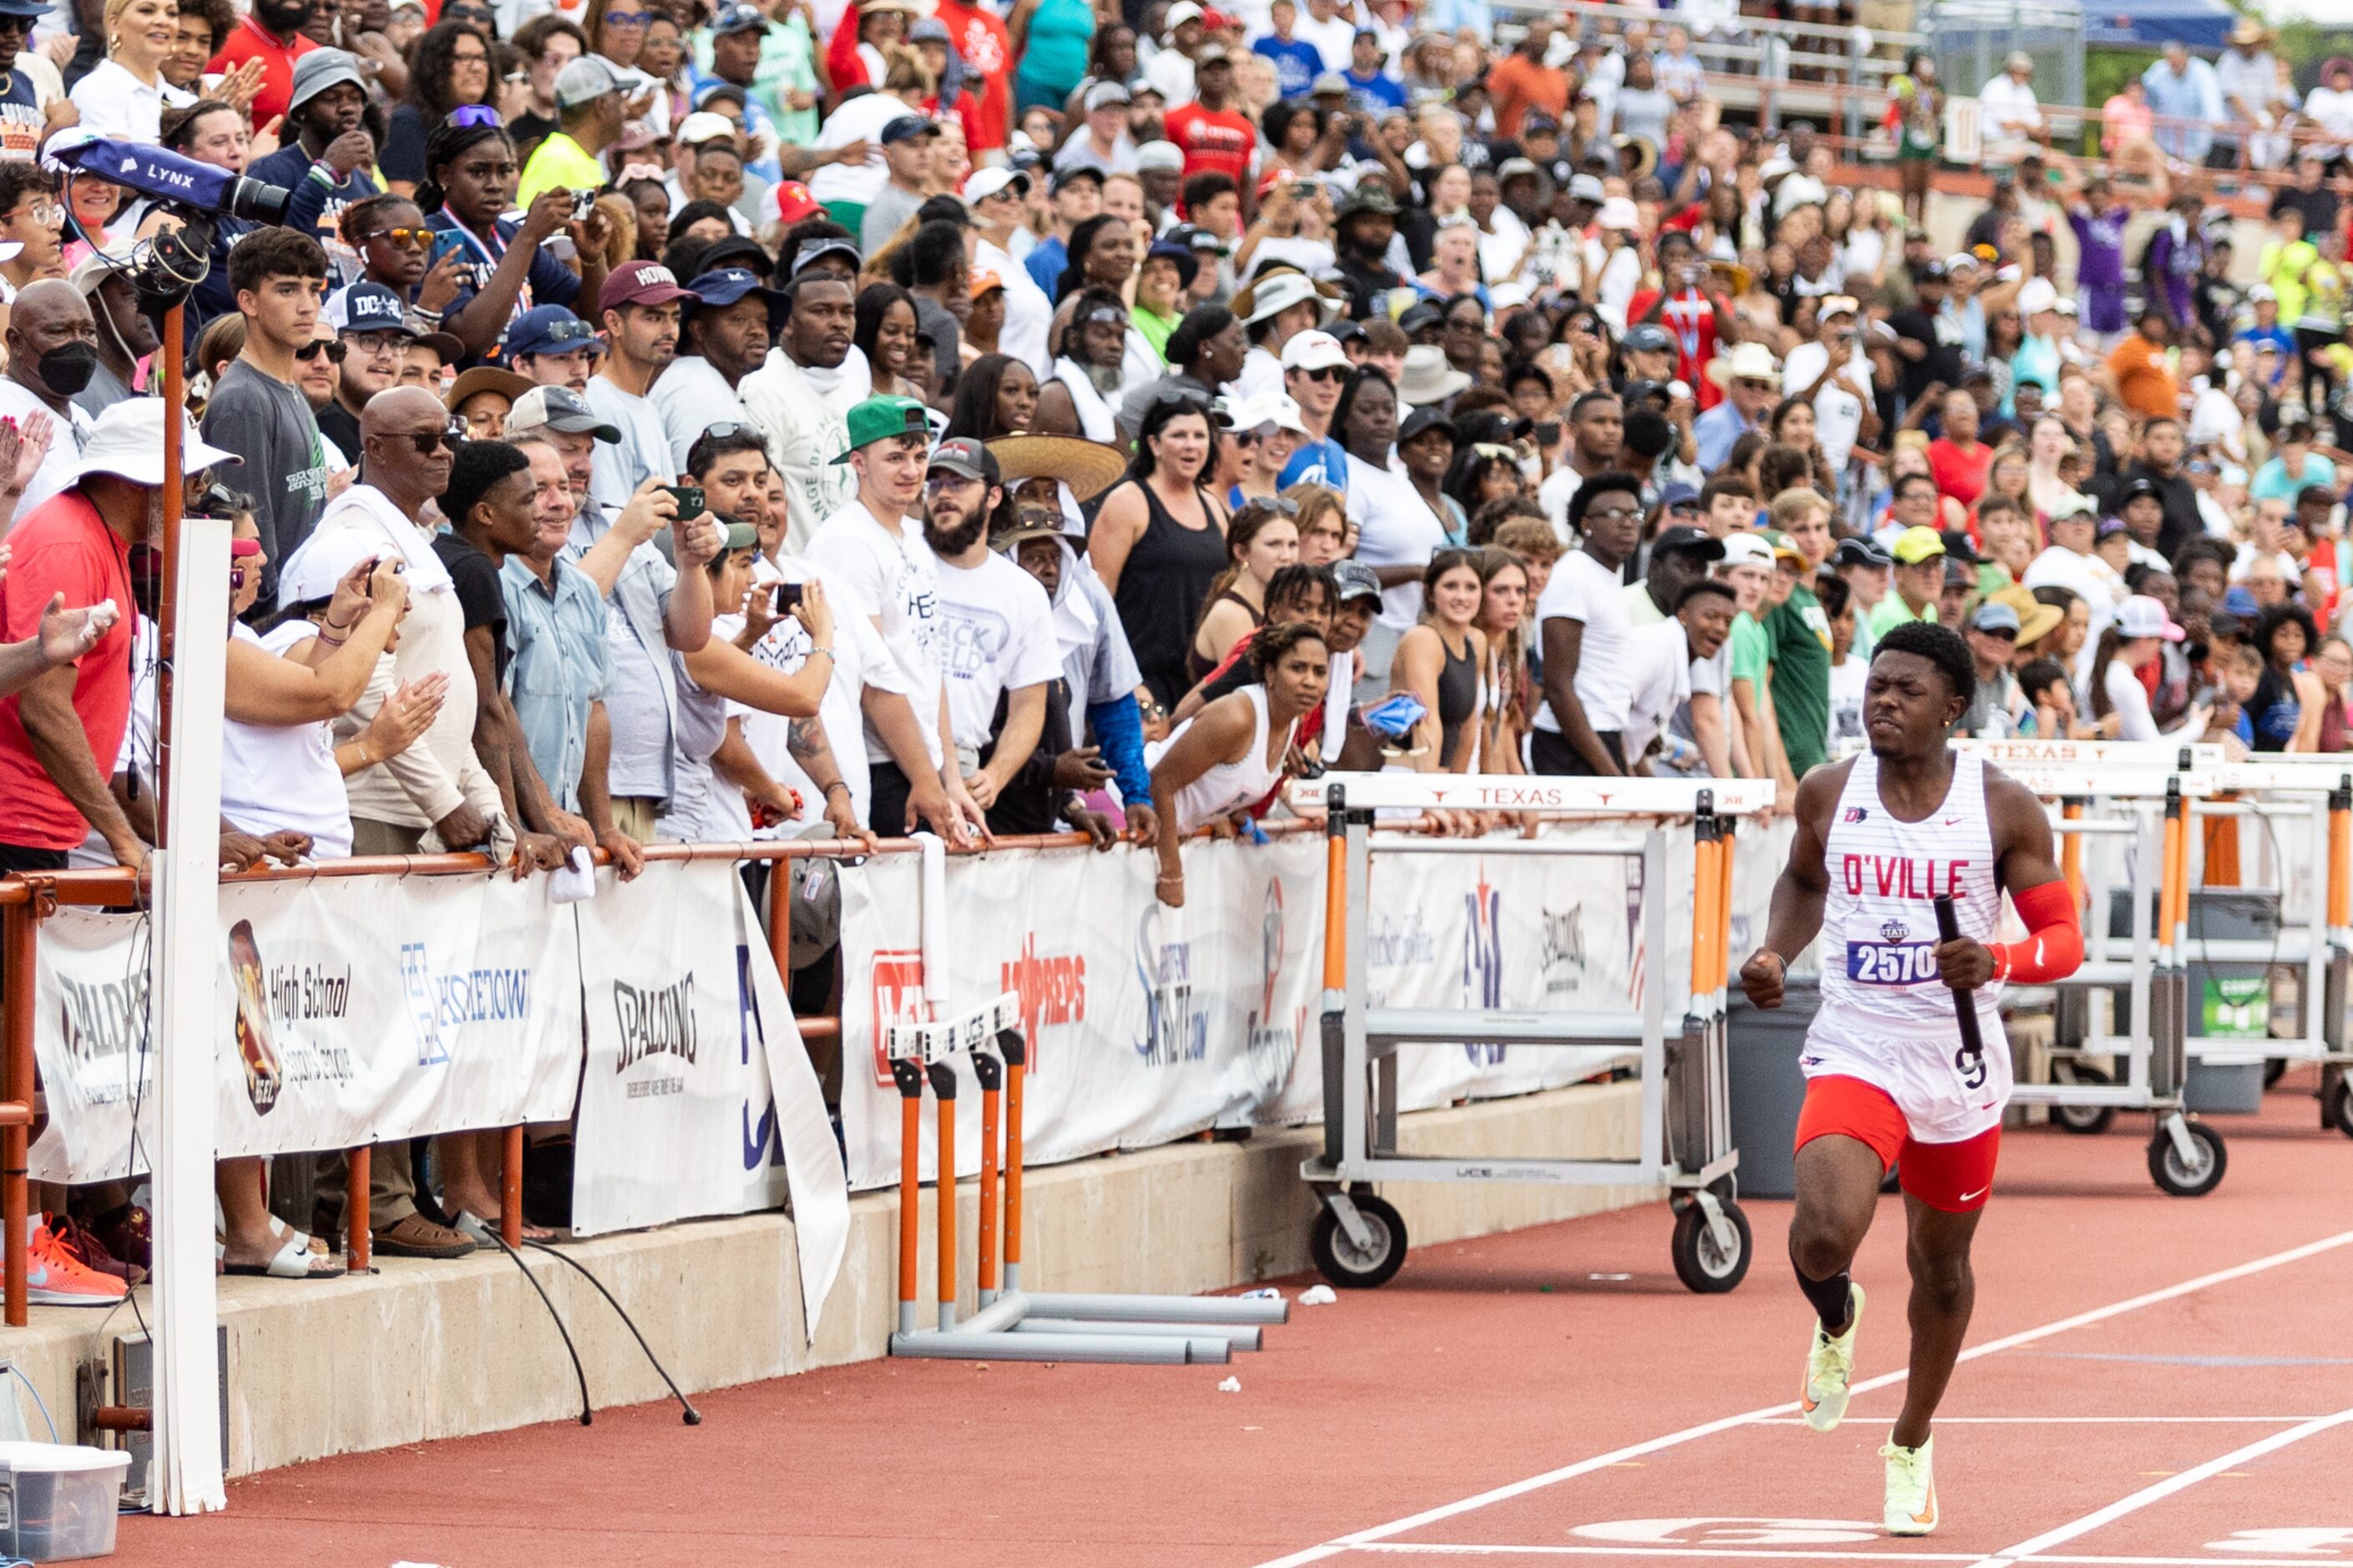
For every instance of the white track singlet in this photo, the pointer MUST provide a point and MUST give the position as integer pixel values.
(1885, 1016)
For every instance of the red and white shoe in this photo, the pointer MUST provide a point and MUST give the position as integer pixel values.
(60, 1279)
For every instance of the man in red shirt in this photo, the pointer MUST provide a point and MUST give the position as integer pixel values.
(981, 41)
(273, 35)
(1215, 138)
(1521, 81)
(60, 736)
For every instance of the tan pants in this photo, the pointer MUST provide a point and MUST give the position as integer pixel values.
(634, 814)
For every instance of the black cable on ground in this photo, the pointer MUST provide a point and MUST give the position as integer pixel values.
(588, 1415)
(692, 1417)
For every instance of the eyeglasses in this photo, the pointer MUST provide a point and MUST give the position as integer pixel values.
(427, 440)
(373, 344)
(407, 238)
(474, 116)
(1612, 513)
(43, 213)
(627, 18)
(457, 60)
(316, 346)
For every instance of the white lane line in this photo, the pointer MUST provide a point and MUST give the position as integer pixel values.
(1943, 1420)
(2159, 1491)
(1335, 1547)
(1421, 1548)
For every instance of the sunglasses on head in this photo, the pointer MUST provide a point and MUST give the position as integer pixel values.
(316, 346)
(474, 117)
(569, 332)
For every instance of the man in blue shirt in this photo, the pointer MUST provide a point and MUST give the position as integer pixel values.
(2184, 88)
(1297, 63)
(1752, 383)
(1078, 196)
(1367, 74)
(2268, 328)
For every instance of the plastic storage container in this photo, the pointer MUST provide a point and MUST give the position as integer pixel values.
(58, 1502)
(1767, 1087)
(2228, 1001)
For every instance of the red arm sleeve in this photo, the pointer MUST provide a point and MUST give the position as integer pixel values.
(2055, 939)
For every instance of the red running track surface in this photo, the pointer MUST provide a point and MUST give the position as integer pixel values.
(2173, 1433)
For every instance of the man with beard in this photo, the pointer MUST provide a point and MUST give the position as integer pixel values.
(368, 322)
(273, 35)
(803, 429)
(1077, 400)
(1002, 660)
(728, 326)
(1364, 227)
(639, 307)
(328, 149)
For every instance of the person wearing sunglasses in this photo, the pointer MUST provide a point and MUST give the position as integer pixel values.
(1313, 366)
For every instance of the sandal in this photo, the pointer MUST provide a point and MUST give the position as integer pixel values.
(485, 1232)
(294, 1260)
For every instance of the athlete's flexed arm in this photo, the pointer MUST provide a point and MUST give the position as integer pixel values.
(1799, 894)
(2026, 869)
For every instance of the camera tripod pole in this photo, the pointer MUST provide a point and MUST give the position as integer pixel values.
(175, 406)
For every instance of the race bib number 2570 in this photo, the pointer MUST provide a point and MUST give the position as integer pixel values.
(1891, 963)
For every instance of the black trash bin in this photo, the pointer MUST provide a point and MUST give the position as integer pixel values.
(1767, 1087)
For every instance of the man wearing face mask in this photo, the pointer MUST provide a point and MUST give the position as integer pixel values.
(273, 35)
(52, 354)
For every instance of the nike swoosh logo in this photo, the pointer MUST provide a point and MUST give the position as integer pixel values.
(1965, 1197)
(1952, 821)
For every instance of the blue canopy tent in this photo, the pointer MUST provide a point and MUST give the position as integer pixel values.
(2151, 24)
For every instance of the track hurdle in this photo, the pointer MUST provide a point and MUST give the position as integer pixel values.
(1012, 1324)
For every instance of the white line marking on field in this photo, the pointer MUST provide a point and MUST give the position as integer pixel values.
(1943, 1420)
(1335, 1547)
(2160, 1491)
(1425, 1549)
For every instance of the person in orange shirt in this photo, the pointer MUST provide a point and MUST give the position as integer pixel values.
(2143, 379)
(1522, 81)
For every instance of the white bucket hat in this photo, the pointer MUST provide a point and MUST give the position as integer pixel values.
(128, 443)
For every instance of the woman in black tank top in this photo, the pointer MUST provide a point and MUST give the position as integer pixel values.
(1159, 542)
(1438, 661)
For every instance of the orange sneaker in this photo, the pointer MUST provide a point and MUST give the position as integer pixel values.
(59, 1279)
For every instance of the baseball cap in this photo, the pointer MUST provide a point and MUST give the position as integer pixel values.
(1588, 188)
(1915, 545)
(738, 19)
(982, 282)
(1995, 617)
(2135, 488)
(823, 248)
(1105, 95)
(880, 418)
(2140, 617)
(548, 329)
(557, 408)
(1684, 539)
(1213, 54)
(1420, 315)
(907, 128)
(641, 283)
(2108, 528)
(1746, 549)
(1315, 350)
(702, 126)
(1356, 581)
(730, 284)
(370, 307)
(1679, 496)
(314, 73)
(1328, 81)
(128, 443)
(1182, 12)
(966, 457)
(1779, 543)
(793, 202)
(585, 80)
(1163, 156)
(1860, 553)
(1074, 174)
(982, 184)
(1647, 338)
(1423, 420)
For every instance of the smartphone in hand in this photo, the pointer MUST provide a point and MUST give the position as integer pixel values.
(689, 499)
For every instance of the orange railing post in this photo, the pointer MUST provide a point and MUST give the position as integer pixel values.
(908, 1077)
(358, 1249)
(991, 1073)
(1016, 1051)
(944, 1194)
(16, 1137)
(2340, 853)
(511, 1188)
(2071, 853)
(1727, 845)
(1705, 884)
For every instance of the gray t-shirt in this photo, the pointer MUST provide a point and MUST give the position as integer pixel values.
(886, 215)
(269, 425)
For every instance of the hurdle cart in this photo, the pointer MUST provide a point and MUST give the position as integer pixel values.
(1359, 1238)
(2141, 793)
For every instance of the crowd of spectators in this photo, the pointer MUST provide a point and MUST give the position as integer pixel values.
(685, 423)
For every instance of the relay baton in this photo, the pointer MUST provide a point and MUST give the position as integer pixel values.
(1965, 1001)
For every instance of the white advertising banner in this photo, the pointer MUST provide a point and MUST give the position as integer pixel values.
(347, 1013)
(698, 1097)
(1147, 1023)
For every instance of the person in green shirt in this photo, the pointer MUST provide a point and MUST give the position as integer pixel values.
(1798, 641)
(588, 102)
(1161, 286)
(1920, 579)
(1748, 566)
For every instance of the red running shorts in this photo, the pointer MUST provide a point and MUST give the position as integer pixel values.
(1956, 1177)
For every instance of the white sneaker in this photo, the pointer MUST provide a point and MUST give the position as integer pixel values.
(1911, 1490)
(1821, 1398)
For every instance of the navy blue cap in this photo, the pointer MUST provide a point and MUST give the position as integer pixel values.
(906, 127)
(1189, 265)
(738, 19)
(717, 290)
(547, 329)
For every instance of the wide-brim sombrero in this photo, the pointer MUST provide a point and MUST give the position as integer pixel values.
(1089, 467)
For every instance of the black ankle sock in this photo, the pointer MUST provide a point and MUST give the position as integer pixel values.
(1830, 1297)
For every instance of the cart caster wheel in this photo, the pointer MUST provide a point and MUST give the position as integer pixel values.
(1345, 1263)
(2188, 1179)
(2340, 1105)
(2084, 1120)
(1700, 1263)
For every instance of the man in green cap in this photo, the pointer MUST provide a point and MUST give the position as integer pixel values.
(876, 558)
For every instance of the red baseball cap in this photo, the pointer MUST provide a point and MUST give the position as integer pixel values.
(641, 283)
(793, 202)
